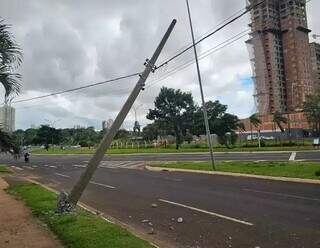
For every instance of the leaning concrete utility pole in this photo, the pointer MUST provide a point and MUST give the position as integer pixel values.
(108, 137)
(204, 107)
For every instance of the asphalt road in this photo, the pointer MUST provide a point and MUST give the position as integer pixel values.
(240, 156)
(217, 211)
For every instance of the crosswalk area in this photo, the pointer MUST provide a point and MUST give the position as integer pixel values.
(117, 165)
(122, 164)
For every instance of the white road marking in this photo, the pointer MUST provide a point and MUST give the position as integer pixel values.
(79, 165)
(17, 168)
(120, 164)
(207, 212)
(62, 175)
(293, 156)
(281, 194)
(52, 166)
(102, 185)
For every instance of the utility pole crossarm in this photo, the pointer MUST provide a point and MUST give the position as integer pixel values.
(107, 139)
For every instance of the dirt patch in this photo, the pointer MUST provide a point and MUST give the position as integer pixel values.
(19, 228)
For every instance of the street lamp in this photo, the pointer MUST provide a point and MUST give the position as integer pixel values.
(204, 107)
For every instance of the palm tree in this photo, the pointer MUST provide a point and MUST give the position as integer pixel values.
(254, 121)
(10, 59)
(278, 119)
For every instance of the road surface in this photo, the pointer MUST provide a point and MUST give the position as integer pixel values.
(217, 211)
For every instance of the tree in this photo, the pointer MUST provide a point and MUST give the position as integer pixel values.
(254, 121)
(312, 111)
(224, 127)
(214, 109)
(10, 59)
(8, 145)
(278, 119)
(122, 134)
(30, 135)
(150, 132)
(221, 123)
(173, 112)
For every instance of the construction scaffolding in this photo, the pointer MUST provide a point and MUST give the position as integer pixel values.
(279, 40)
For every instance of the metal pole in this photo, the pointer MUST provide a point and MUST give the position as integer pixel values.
(204, 107)
(108, 137)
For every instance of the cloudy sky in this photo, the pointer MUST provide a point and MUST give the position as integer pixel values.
(68, 43)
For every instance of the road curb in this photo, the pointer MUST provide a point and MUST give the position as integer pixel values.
(218, 173)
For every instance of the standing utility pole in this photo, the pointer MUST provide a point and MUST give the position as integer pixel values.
(108, 137)
(204, 107)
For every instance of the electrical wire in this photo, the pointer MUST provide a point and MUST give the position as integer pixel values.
(248, 9)
(201, 56)
(76, 89)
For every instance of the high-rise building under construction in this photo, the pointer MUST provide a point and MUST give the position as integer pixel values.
(280, 55)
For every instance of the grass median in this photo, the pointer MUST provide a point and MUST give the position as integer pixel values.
(305, 170)
(77, 230)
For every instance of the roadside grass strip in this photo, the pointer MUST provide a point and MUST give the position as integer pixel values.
(80, 229)
(304, 170)
(4, 169)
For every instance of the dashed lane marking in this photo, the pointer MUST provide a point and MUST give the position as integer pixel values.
(208, 212)
(79, 165)
(284, 195)
(102, 185)
(62, 175)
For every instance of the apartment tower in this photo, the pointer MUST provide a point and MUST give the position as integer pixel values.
(280, 55)
(315, 62)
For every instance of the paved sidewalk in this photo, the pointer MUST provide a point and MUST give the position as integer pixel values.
(18, 228)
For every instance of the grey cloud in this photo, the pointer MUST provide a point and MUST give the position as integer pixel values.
(71, 43)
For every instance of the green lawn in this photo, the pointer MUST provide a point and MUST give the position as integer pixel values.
(79, 230)
(279, 169)
(4, 169)
(57, 151)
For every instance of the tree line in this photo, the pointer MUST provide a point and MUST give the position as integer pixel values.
(176, 113)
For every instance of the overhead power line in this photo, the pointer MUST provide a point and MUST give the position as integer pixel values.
(210, 30)
(76, 89)
(248, 9)
(201, 56)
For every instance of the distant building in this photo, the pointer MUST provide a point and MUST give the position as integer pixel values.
(280, 55)
(315, 63)
(7, 118)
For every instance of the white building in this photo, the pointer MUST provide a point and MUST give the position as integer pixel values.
(7, 118)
